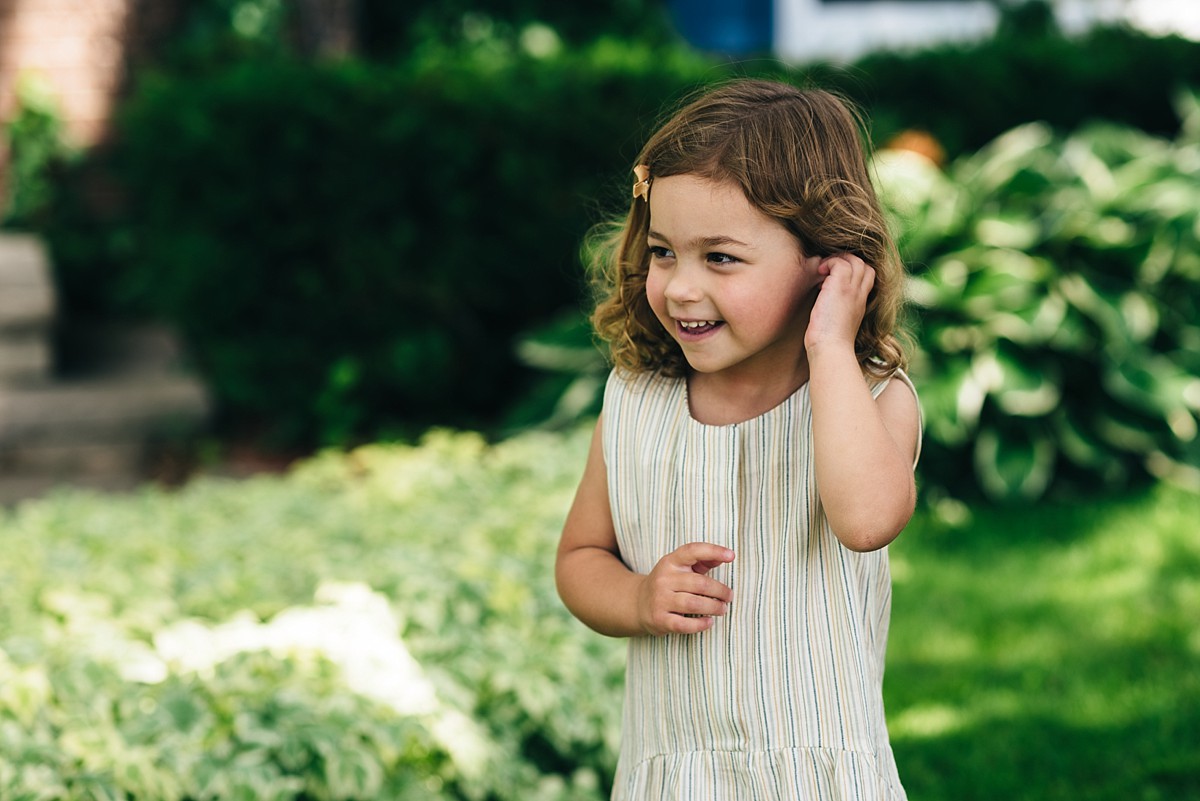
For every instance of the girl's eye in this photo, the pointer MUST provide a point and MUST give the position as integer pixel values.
(721, 258)
(659, 252)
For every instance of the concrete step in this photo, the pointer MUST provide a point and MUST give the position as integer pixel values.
(25, 357)
(101, 409)
(106, 348)
(95, 434)
(27, 298)
(81, 403)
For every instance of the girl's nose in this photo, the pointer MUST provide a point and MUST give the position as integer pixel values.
(683, 286)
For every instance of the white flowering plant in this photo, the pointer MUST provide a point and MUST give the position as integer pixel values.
(375, 625)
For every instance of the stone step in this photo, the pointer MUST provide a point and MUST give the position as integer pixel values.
(94, 434)
(27, 297)
(25, 357)
(102, 347)
(101, 410)
(81, 403)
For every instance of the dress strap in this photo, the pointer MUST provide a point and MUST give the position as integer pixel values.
(877, 388)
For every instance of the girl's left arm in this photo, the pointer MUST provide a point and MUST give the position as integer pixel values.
(864, 448)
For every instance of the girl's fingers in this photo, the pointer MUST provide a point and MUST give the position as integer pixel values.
(857, 275)
(690, 625)
(701, 556)
(688, 604)
(669, 586)
(677, 596)
(701, 585)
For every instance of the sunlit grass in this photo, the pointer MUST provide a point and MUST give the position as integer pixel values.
(1050, 652)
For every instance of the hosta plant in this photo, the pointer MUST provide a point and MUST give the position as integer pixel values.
(1056, 282)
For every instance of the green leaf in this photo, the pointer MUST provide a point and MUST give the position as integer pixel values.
(1103, 308)
(951, 401)
(1015, 162)
(1033, 326)
(1150, 383)
(1004, 280)
(1126, 431)
(1017, 465)
(1078, 445)
(1008, 230)
(1026, 389)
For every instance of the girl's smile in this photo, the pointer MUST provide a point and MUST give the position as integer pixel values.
(695, 330)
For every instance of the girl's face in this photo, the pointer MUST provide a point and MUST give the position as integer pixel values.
(729, 283)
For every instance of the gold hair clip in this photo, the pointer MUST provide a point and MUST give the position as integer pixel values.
(642, 187)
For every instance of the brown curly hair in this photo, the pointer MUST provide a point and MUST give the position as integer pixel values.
(798, 157)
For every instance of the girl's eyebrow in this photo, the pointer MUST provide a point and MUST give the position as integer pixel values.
(705, 242)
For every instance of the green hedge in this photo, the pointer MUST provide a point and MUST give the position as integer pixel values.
(351, 250)
(967, 95)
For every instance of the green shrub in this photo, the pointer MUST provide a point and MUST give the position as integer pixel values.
(36, 151)
(354, 251)
(378, 625)
(968, 94)
(1058, 281)
(350, 250)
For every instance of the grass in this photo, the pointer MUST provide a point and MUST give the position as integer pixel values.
(1050, 652)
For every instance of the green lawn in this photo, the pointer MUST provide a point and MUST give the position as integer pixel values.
(1050, 652)
(248, 640)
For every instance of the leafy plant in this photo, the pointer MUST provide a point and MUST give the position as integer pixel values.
(35, 143)
(383, 624)
(357, 630)
(351, 250)
(1057, 281)
(967, 94)
(354, 250)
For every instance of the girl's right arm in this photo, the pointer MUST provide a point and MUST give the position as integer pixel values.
(600, 590)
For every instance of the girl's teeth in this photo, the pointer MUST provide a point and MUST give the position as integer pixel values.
(700, 324)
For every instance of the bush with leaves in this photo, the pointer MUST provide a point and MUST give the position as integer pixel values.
(351, 250)
(1058, 283)
(382, 624)
(36, 151)
(969, 93)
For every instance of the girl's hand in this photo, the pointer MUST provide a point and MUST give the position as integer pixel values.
(677, 596)
(846, 282)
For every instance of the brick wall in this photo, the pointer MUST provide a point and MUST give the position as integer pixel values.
(81, 49)
(76, 46)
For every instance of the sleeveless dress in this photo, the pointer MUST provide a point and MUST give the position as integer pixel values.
(782, 697)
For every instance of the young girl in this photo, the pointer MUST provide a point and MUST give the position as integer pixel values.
(753, 459)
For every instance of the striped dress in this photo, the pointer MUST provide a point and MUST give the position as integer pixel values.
(782, 698)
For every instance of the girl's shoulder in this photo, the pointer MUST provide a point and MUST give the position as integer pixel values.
(878, 383)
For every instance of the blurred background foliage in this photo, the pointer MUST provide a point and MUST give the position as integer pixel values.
(360, 247)
(1056, 282)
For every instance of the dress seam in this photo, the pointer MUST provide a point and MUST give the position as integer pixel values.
(755, 751)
